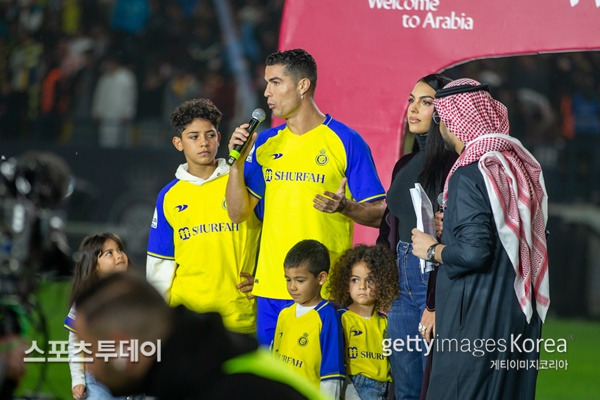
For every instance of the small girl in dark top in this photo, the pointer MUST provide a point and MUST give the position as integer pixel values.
(428, 164)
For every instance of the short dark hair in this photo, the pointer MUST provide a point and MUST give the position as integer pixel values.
(124, 302)
(298, 63)
(190, 110)
(311, 253)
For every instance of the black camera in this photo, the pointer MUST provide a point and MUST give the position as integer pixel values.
(32, 239)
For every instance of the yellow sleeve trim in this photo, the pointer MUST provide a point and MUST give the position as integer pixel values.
(253, 194)
(377, 197)
(324, 304)
(161, 257)
(333, 376)
(69, 328)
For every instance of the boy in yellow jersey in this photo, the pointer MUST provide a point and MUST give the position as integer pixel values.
(308, 335)
(315, 175)
(197, 256)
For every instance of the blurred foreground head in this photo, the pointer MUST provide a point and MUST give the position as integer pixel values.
(121, 308)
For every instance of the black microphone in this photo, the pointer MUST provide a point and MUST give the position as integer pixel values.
(258, 116)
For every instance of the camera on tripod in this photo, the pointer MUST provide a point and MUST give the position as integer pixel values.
(32, 238)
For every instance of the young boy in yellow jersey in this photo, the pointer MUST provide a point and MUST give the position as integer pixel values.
(308, 335)
(196, 255)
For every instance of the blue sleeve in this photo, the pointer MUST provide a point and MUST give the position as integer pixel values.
(332, 345)
(253, 173)
(160, 239)
(259, 210)
(363, 181)
(69, 323)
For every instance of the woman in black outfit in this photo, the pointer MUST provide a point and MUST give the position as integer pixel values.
(428, 164)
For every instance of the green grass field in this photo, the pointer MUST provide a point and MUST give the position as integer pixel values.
(578, 381)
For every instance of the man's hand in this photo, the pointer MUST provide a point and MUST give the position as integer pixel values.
(240, 136)
(421, 242)
(332, 202)
(247, 285)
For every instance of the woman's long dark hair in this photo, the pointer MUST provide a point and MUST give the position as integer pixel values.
(438, 160)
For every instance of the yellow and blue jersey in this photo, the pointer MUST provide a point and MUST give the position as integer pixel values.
(191, 228)
(69, 323)
(363, 339)
(287, 171)
(311, 344)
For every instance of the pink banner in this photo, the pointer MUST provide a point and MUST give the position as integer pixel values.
(370, 53)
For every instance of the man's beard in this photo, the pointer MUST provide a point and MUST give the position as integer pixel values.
(448, 145)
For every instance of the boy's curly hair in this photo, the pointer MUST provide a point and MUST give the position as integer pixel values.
(190, 110)
(384, 273)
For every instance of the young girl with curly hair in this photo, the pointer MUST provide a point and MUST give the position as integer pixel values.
(364, 282)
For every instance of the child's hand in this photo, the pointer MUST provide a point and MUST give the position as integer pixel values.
(247, 285)
(79, 392)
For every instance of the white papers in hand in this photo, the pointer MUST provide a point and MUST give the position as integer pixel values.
(425, 217)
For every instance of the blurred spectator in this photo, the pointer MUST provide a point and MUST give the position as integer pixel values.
(539, 116)
(83, 129)
(188, 7)
(71, 16)
(584, 131)
(53, 105)
(249, 17)
(29, 14)
(24, 70)
(182, 86)
(529, 72)
(114, 103)
(151, 129)
(541, 91)
(586, 105)
(130, 16)
(205, 48)
(221, 91)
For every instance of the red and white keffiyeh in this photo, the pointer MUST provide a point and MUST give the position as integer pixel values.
(515, 186)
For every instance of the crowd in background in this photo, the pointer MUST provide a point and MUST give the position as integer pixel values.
(68, 67)
(108, 73)
(554, 108)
